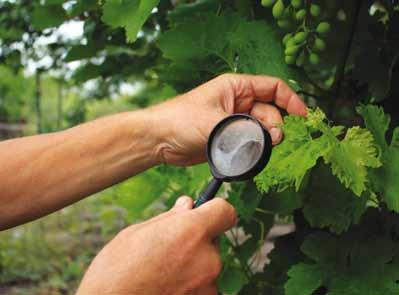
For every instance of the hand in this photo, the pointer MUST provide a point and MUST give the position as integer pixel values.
(186, 121)
(173, 253)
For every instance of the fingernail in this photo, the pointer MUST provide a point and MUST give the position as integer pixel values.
(183, 203)
(276, 134)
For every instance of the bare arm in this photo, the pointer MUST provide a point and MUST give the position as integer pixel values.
(41, 174)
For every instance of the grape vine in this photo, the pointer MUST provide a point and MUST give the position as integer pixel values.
(335, 175)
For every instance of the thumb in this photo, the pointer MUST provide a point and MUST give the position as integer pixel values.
(216, 216)
(182, 204)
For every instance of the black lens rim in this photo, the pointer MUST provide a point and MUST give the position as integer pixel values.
(260, 164)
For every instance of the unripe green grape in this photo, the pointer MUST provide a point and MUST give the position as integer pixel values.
(289, 59)
(314, 59)
(267, 3)
(291, 50)
(300, 37)
(301, 59)
(287, 13)
(286, 38)
(315, 10)
(290, 42)
(323, 28)
(296, 3)
(278, 9)
(319, 44)
(284, 24)
(300, 15)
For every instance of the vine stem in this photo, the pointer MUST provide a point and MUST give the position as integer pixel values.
(235, 247)
(340, 73)
(307, 16)
(268, 212)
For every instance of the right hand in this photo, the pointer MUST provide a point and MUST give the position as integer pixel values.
(173, 253)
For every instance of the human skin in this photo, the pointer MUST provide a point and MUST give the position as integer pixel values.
(41, 174)
(171, 254)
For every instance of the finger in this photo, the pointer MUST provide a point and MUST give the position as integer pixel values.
(183, 203)
(205, 290)
(266, 89)
(270, 117)
(216, 216)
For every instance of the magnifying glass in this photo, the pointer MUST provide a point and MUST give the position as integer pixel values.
(238, 149)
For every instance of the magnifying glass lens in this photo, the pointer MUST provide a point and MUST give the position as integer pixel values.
(237, 147)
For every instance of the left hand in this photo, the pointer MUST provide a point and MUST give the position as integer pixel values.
(185, 122)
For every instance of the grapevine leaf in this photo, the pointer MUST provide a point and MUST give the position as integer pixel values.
(136, 194)
(237, 45)
(304, 279)
(249, 41)
(86, 72)
(293, 157)
(285, 254)
(379, 79)
(352, 156)
(376, 121)
(81, 6)
(196, 39)
(231, 280)
(385, 179)
(129, 14)
(362, 261)
(78, 52)
(188, 10)
(245, 199)
(248, 248)
(329, 204)
(284, 203)
(48, 16)
(395, 138)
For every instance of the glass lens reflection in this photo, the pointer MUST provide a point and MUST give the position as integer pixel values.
(237, 147)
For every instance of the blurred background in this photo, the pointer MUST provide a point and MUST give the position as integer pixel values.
(60, 66)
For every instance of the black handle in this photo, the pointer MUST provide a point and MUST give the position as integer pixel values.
(209, 192)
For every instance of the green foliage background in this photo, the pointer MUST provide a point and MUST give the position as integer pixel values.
(335, 176)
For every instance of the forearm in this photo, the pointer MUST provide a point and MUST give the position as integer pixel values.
(41, 174)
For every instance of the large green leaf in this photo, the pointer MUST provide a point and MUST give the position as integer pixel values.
(352, 156)
(78, 52)
(328, 204)
(136, 194)
(304, 279)
(258, 50)
(48, 16)
(293, 158)
(196, 39)
(385, 179)
(215, 44)
(361, 261)
(231, 280)
(129, 14)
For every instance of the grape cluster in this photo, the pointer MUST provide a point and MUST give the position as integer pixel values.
(305, 37)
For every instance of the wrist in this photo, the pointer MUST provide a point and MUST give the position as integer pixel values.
(151, 129)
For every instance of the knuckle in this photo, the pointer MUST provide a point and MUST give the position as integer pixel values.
(193, 226)
(227, 76)
(279, 81)
(227, 210)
